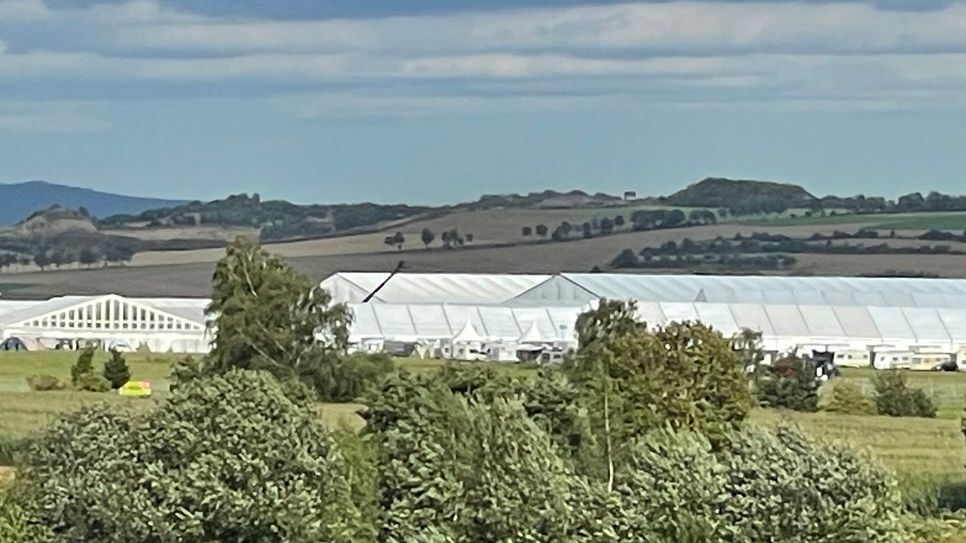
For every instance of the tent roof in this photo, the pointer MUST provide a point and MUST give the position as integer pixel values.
(413, 288)
(468, 334)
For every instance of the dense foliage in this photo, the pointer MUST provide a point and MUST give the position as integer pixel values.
(790, 383)
(228, 458)
(894, 397)
(116, 371)
(846, 397)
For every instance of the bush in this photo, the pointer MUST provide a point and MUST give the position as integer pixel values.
(782, 486)
(9, 448)
(17, 524)
(792, 384)
(895, 399)
(91, 382)
(226, 458)
(846, 397)
(83, 365)
(345, 379)
(116, 371)
(41, 383)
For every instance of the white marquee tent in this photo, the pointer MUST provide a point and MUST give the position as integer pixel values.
(157, 324)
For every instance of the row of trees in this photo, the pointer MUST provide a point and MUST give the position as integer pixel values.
(628, 259)
(450, 239)
(640, 220)
(46, 257)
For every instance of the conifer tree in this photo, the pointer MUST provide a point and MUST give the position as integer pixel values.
(116, 371)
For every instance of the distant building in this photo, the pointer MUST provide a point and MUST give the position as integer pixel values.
(630, 195)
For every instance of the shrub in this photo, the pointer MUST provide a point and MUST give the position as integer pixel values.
(346, 378)
(895, 399)
(83, 365)
(17, 524)
(791, 385)
(846, 397)
(116, 371)
(782, 486)
(9, 447)
(91, 382)
(226, 458)
(41, 383)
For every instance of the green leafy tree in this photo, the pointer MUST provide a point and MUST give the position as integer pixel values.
(116, 371)
(542, 230)
(267, 316)
(684, 375)
(526, 231)
(226, 458)
(42, 260)
(84, 365)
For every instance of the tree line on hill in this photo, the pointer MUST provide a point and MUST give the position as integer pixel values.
(641, 436)
(449, 239)
(640, 221)
(276, 219)
(743, 197)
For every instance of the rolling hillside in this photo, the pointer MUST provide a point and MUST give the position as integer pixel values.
(18, 200)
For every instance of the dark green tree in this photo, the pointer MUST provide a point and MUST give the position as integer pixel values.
(791, 383)
(87, 257)
(427, 236)
(894, 397)
(542, 230)
(116, 371)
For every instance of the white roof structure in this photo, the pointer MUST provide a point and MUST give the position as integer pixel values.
(854, 313)
(415, 288)
(582, 288)
(861, 291)
(160, 324)
(468, 335)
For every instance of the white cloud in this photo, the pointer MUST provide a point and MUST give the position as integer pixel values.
(23, 10)
(688, 52)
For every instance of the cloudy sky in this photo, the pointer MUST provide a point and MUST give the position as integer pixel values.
(441, 100)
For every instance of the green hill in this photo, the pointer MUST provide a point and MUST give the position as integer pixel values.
(742, 195)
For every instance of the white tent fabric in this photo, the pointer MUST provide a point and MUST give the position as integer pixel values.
(580, 288)
(468, 334)
(430, 287)
(783, 326)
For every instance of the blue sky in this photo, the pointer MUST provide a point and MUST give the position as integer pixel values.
(432, 101)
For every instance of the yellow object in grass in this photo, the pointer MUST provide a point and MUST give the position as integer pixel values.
(135, 389)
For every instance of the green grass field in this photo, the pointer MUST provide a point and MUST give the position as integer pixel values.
(921, 448)
(884, 221)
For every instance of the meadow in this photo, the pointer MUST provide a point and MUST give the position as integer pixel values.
(924, 449)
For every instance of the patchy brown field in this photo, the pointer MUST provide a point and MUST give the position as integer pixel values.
(188, 273)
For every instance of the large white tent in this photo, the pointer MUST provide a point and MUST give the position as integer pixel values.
(835, 313)
(155, 324)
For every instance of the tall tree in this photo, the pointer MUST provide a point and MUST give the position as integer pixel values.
(267, 316)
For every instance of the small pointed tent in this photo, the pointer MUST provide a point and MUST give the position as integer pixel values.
(467, 335)
(533, 335)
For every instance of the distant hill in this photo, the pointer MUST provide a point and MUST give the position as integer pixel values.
(732, 193)
(19, 200)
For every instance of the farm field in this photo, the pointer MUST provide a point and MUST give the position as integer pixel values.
(181, 276)
(932, 449)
